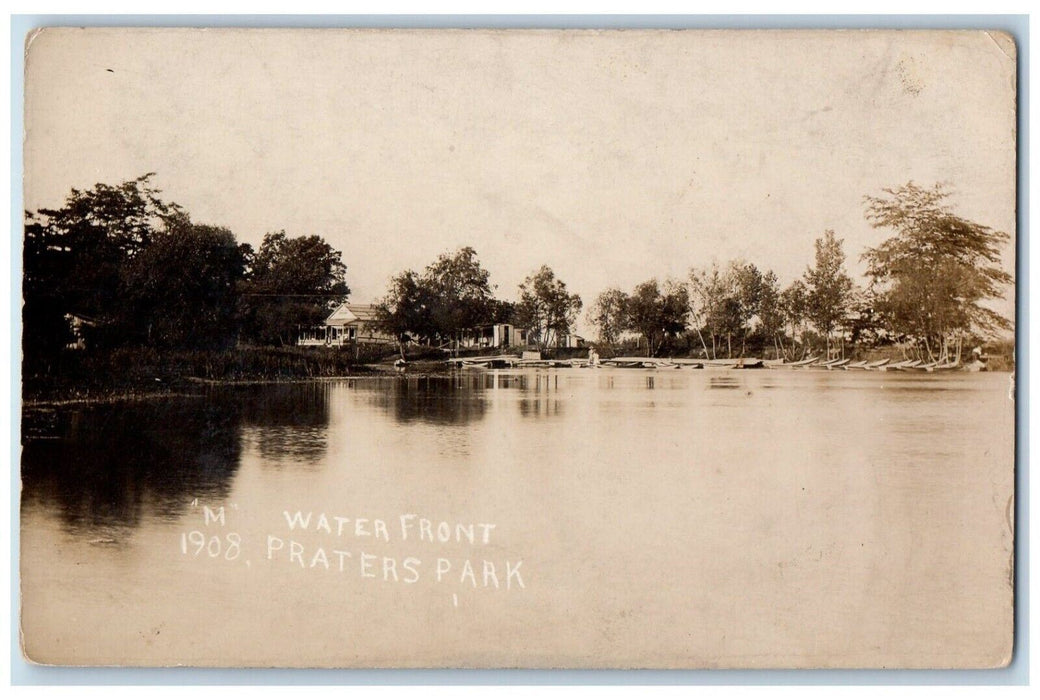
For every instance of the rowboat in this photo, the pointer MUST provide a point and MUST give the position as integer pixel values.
(738, 363)
(878, 365)
(862, 364)
(802, 363)
(484, 362)
(651, 363)
(904, 365)
(632, 362)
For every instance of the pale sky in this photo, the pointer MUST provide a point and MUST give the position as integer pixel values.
(611, 156)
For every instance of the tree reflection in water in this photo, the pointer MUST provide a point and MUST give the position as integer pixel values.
(104, 468)
(288, 423)
(454, 400)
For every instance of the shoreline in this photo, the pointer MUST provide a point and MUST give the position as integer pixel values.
(183, 386)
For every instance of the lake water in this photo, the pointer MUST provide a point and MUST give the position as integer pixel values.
(675, 518)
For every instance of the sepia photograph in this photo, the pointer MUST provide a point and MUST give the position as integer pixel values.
(518, 348)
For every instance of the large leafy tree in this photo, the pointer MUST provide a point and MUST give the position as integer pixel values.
(725, 304)
(461, 291)
(293, 282)
(657, 313)
(748, 288)
(545, 308)
(828, 286)
(502, 311)
(609, 314)
(728, 321)
(710, 288)
(864, 324)
(756, 296)
(74, 258)
(933, 275)
(181, 290)
(407, 308)
(452, 295)
(770, 311)
(794, 310)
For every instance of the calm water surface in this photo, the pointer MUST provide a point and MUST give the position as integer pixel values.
(681, 517)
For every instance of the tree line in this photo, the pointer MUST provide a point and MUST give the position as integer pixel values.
(118, 266)
(734, 309)
(121, 266)
(453, 296)
(926, 289)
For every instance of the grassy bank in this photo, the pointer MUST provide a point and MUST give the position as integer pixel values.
(133, 372)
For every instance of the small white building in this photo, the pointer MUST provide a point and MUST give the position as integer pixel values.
(494, 335)
(572, 340)
(348, 323)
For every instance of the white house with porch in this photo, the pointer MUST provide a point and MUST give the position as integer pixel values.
(347, 324)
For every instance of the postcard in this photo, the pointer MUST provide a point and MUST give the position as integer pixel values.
(608, 349)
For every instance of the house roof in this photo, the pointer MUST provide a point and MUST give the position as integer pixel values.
(346, 314)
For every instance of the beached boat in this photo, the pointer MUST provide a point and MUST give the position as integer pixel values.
(901, 366)
(862, 364)
(637, 362)
(624, 361)
(734, 363)
(484, 362)
(682, 363)
(802, 363)
(877, 365)
(837, 364)
(688, 363)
